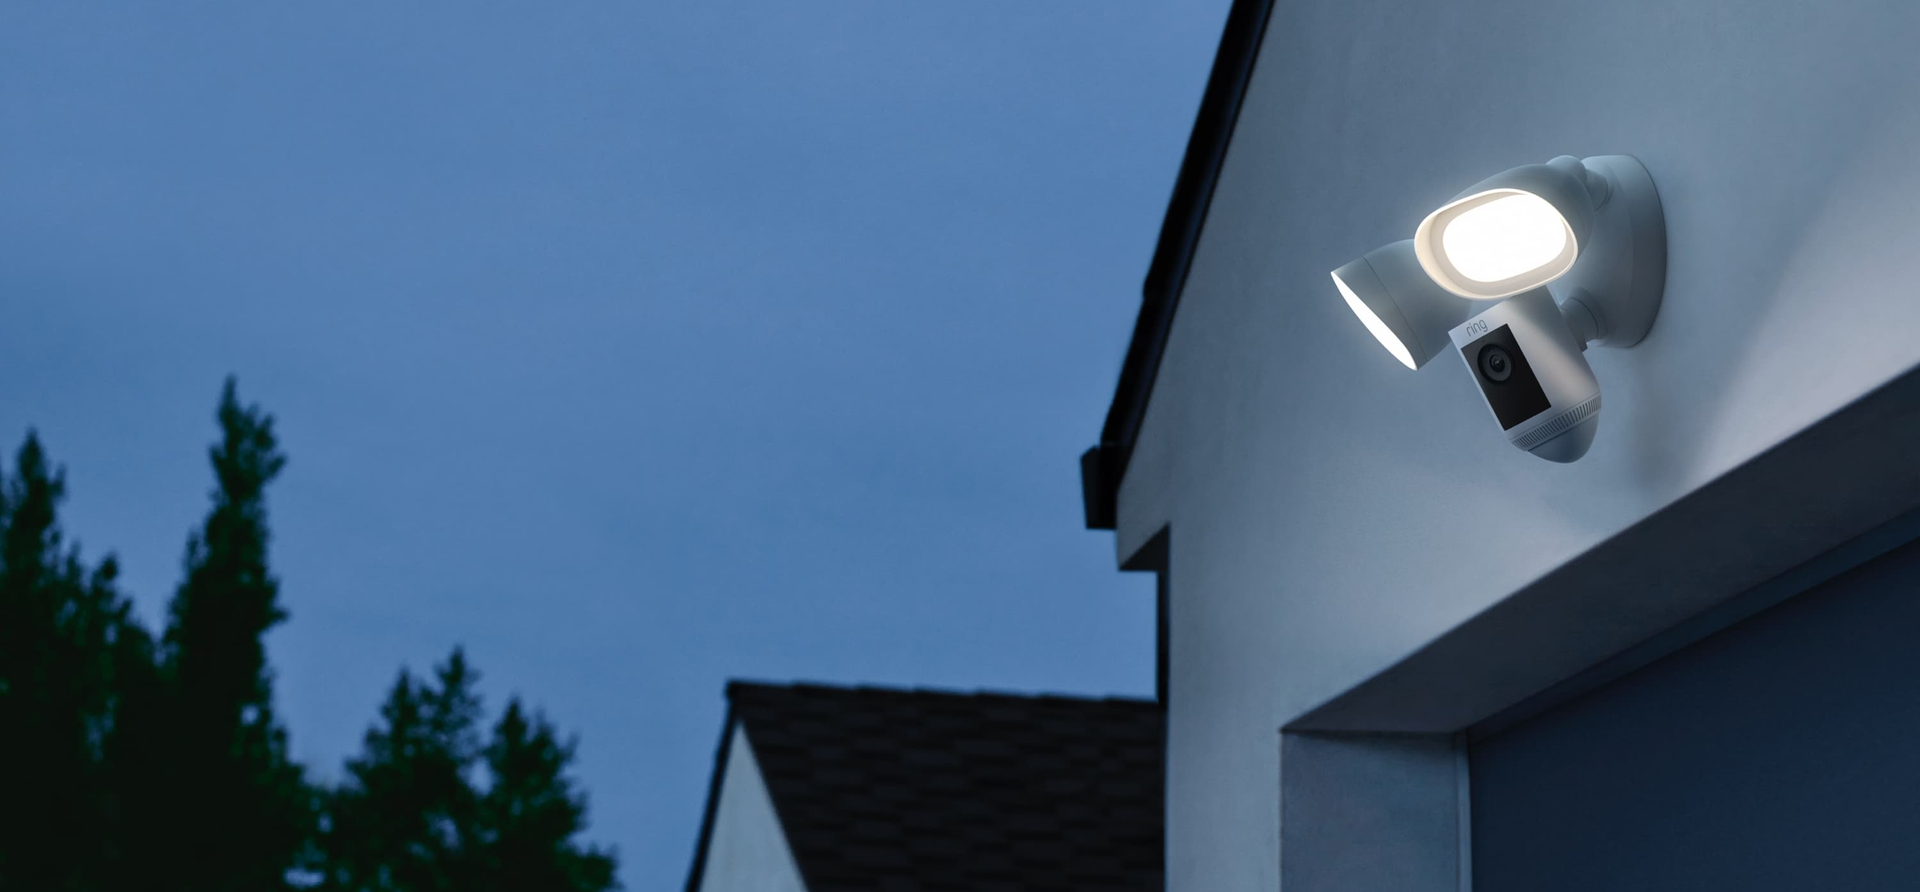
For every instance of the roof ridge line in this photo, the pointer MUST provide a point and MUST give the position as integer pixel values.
(734, 684)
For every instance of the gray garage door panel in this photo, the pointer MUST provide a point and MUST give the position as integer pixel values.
(1781, 753)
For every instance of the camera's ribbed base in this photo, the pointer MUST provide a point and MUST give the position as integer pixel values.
(1560, 424)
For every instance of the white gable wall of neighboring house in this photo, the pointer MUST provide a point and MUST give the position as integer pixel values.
(1331, 511)
(747, 851)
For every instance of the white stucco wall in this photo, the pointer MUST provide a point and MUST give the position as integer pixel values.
(748, 850)
(1330, 511)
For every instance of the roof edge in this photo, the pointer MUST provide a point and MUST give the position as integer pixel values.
(699, 870)
(1103, 466)
(737, 685)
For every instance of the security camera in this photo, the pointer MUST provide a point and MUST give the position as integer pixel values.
(1527, 355)
(1592, 227)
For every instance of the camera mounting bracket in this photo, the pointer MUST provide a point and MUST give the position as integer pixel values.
(1622, 271)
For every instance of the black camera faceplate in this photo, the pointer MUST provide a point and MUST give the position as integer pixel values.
(1518, 397)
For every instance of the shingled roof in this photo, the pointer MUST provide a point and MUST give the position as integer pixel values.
(905, 790)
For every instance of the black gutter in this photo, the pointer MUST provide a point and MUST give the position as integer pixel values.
(1102, 466)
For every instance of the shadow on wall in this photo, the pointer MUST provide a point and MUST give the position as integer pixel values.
(1791, 175)
(1841, 312)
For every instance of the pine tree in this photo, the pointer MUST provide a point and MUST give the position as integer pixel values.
(133, 764)
(66, 640)
(531, 812)
(219, 803)
(405, 821)
(411, 819)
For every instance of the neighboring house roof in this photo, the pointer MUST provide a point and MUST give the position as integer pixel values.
(1102, 466)
(881, 789)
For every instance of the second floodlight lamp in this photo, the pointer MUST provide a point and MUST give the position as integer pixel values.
(1399, 304)
(1511, 232)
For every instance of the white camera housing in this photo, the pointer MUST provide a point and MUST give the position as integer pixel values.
(1531, 369)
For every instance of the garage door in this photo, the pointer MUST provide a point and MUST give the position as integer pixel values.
(1780, 753)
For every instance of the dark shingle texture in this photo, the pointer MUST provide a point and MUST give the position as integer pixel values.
(915, 791)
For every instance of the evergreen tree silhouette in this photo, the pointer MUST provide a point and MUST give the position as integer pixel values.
(66, 638)
(531, 812)
(405, 820)
(410, 817)
(223, 808)
(128, 763)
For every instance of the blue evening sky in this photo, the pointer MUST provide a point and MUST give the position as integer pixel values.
(634, 345)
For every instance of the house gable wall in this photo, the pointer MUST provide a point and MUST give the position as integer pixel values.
(747, 851)
(1332, 512)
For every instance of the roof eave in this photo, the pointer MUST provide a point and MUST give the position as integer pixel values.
(1103, 466)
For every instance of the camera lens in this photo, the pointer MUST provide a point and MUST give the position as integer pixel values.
(1495, 362)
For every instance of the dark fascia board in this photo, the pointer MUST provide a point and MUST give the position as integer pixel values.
(1824, 500)
(1102, 466)
(713, 803)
